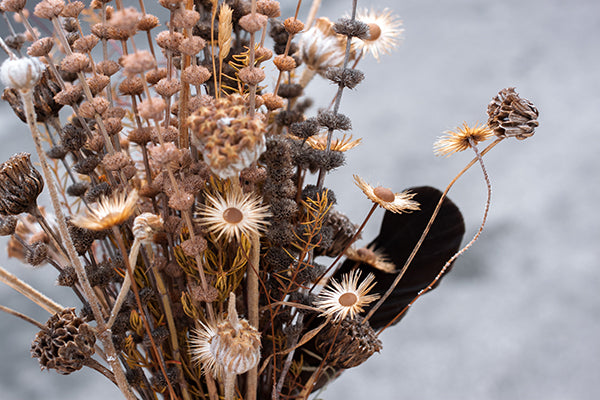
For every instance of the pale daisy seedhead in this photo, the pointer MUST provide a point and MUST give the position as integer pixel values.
(462, 138)
(384, 32)
(394, 202)
(108, 211)
(233, 215)
(347, 298)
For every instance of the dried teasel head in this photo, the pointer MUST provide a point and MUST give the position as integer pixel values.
(230, 347)
(510, 115)
(65, 344)
(20, 185)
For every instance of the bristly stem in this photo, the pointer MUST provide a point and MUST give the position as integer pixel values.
(466, 247)
(428, 227)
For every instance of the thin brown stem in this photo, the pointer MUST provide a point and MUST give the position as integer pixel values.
(427, 228)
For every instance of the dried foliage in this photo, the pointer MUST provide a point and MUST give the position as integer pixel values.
(190, 200)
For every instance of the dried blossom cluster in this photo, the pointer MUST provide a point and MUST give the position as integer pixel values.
(190, 199)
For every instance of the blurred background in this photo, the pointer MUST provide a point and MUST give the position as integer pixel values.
(519, 316)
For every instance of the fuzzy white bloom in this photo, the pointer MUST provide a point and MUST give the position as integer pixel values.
(21, 73)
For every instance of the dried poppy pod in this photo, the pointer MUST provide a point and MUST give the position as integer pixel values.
(349, 343)
(20, 185)
(65, 344)
(510, 115)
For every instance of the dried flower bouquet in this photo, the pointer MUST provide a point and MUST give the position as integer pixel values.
(189, 206)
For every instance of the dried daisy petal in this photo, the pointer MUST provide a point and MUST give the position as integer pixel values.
(394, 202)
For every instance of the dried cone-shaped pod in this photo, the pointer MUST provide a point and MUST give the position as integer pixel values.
(65, 344)
(349, 343)
(20, 185)
(509, 115)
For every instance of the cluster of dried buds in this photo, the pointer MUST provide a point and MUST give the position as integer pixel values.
(190, 201)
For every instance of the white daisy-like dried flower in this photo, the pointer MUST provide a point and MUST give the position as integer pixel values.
(371, 257)
(230, 347)
(108, 211)
(346, 298)
(461, 139)
(384, 32)
(394, 202)
(233, 215)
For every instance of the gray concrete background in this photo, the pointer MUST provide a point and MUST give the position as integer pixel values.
(519, 316)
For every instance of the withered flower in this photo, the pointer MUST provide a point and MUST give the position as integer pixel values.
(230, 347)
(510, 115)
(21, 73)
(108, 211)
(349, 343)
(321, 47)
(461, 139)
(66, 343)
(20, 185)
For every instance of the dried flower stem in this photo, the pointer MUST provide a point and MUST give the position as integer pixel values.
(427, 228)
(252, 277)
(26, 290)
(103, 334)
(157, 354)
(461, 251)
(22, 316)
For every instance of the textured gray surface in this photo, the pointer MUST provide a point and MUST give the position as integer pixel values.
(518, 318)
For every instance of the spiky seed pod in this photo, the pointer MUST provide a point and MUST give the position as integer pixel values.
(70, 95)
(85, 44)
(284, 63)
(82, 238)
(510, 115)
(75, 62)
(107, 67)
(334, 121)
(40, 47)
(36, 254)
(342, 233)
(67, 277)
(349, 343)
(345, 77)
(13, 5)
(20, 185)
(65, 344)
(305, 129)
(351, 28)
(8, 224)
(78, 189)
(253, 22)
(86, 166)
(148, 22)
